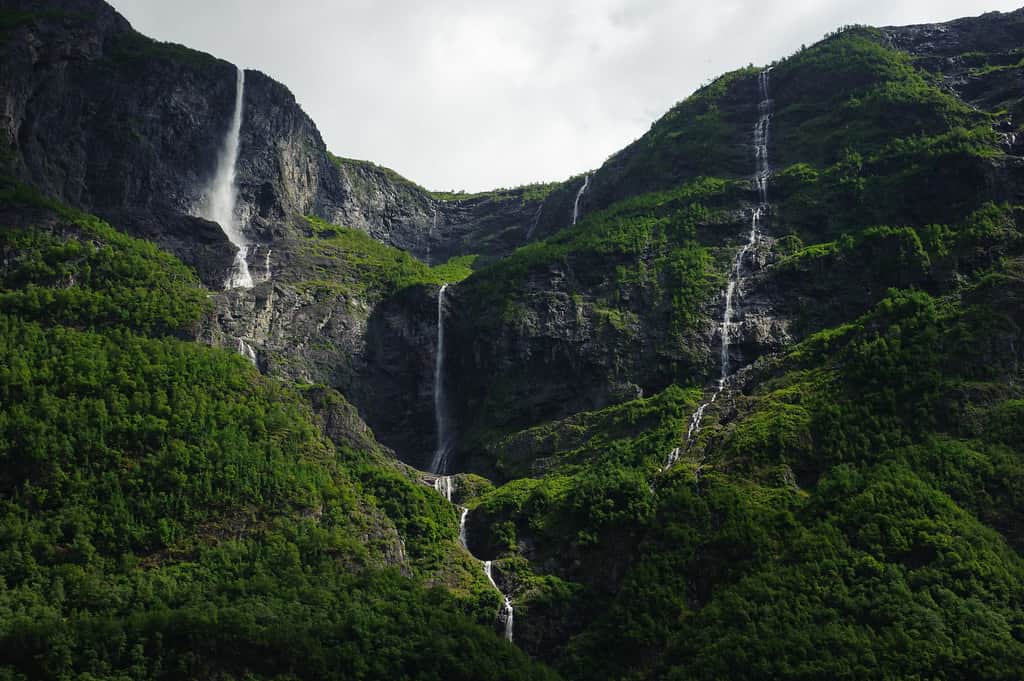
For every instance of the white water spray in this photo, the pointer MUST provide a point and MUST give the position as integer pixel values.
(579, 195)
(507, 611)
(462, 526)
(738, 272)
(221, 196)
(439, 464)
(247, 351)
(445, 485)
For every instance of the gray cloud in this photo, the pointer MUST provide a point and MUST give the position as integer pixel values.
(474, 94)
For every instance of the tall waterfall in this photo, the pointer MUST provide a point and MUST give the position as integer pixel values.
(221, 196)
(579, 195)
(439, 464)
(740, 269)
(445, 484)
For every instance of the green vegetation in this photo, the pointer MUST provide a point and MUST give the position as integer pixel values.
(361, 266)
(851, 93)
(534, 191)
(134, 49)
(358, 167)
(611, 251)
(81, 272)
(847, 523)
(852, 507)
(698, 136)
(640, 264)
(167, 512)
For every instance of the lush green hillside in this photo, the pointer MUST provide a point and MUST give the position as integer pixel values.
(851, 505)
(851, 508)
(166, 512)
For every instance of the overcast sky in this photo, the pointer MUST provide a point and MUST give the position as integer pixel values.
(475, 94)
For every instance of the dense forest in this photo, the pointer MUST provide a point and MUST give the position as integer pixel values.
(711, 429)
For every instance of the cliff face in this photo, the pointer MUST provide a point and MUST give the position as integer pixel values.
(583, 324)
(435, 227)
(99, 117)
(110, 121)
(104, 119)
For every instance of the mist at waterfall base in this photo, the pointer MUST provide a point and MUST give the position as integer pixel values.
(738, 273)
(220, 199)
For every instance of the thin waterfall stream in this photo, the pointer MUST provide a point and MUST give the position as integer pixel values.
(444, 483)
(439, 464)
(739, 271)
(579, 195)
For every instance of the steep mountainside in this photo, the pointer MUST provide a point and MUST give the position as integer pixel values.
(130, 129)
(745, 402)
(827, 498)
(168, 512)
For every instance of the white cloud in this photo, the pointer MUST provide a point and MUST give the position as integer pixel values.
(476, 94)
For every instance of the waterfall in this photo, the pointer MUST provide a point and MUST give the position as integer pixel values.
(266, 262)
(247, 351)
(507, 611)
(579, 195)
(445, 485)
(462, 527)
(221, 196)
(739, 271)
(439, 464)
(535, 221)
(430, 234)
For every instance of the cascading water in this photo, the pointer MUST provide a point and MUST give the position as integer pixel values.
(221, 196)
(579, 195)
(507, 611)
(247, 351)
(535, 221)
(463, 515)
(739, 271)
(445, 485)
(439, 464)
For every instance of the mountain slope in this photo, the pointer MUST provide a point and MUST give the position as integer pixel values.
(756, 414)
(841, 489)
(167, 512)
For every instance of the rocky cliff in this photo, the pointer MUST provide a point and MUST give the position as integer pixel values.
(109, 121)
